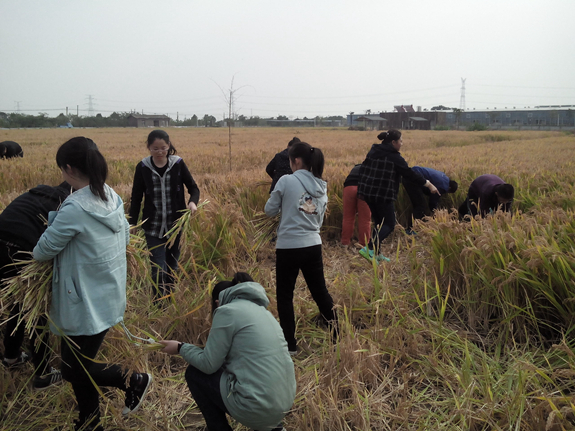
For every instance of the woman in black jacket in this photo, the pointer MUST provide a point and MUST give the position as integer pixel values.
(379, 178)
(161, 178)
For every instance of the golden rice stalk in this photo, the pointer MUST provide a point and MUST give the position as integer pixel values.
(182, 222)
(30, 290)
(265, 228)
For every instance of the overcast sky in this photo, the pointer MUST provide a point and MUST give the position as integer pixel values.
(297, 57)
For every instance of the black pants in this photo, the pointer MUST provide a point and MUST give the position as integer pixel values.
(13, 335)
(417, 197)
(383, 218)
(164, 261)
(288, 264)
(205, 389)
(76, 361)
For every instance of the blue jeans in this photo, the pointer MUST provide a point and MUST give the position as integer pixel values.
(164, 263)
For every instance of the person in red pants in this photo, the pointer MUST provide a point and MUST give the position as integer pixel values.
(352, 206)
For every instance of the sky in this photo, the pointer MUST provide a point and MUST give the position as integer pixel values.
(298, 58)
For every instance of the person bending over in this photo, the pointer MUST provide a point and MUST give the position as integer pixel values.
(487, 194)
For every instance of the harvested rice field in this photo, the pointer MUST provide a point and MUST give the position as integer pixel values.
(469, 327)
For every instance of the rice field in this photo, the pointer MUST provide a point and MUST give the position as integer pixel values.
(469, 327)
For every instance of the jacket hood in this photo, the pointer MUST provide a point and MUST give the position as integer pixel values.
(172, 160)
(316, 187)
(249, 291)
(379, 151)
(110, 213)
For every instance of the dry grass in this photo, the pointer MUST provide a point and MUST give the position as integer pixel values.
(414, 353)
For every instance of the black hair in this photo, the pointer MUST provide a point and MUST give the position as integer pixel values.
(453, 186)
(160, 134)
(83, 154)
(389, 136)
(505, 191)
(311, 157)
(293, 141)
(239, 277)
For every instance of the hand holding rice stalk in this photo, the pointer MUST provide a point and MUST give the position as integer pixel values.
(182, 222)
(266, 227)
(31, 290)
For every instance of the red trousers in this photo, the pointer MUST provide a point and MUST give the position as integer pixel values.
(351, 206)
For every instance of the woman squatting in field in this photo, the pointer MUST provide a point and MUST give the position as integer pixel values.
(379, 178)
(301, 199)
(245, 369)
(161, 178)
(87, 238)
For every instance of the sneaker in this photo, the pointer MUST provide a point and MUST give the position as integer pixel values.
(410, 231)
(20, 360)
(41, 383)
(382, 258)
(367, 253)
(135, 394)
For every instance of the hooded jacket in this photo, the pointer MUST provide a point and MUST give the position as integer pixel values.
(381, 172)
(22, 221)
(87, 239)
(174, 190)
(258, 381)
(302, 200)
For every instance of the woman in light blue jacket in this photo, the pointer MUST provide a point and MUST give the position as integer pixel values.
(87, 239)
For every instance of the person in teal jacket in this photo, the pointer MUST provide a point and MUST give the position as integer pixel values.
(87, 239)
(245, 368)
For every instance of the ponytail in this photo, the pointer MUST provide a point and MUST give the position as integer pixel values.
(311, 157)
(389, 136)
(83, 154)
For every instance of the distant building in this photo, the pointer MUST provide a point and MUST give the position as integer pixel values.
(406, 118)
(141, 120)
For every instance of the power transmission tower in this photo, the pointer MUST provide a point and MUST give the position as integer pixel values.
(462, 99)
(17, 102)
(90, 105)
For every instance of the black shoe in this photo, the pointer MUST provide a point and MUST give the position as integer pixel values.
(20, 360)
(135, 394)
(41, 383)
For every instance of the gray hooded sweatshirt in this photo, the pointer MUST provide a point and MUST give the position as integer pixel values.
(301, 199)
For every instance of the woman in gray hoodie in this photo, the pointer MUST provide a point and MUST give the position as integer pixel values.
(301, 199)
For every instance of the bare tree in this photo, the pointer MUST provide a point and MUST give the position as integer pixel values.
(230, 98)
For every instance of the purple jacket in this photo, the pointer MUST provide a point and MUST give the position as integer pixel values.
(482, 191)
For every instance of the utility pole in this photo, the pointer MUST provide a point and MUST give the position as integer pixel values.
(462, 99)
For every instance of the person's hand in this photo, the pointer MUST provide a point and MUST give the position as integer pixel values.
(133, 230)
(171, 346)
(432, 188)
(192, 207)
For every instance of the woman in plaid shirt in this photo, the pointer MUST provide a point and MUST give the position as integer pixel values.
(161, 177)
(379, 178)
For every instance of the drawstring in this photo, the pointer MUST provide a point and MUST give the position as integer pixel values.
(132, 337)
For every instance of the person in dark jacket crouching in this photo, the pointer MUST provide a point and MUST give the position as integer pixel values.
(279, 165)
(487, 193)
(21, 224)
(245, 369)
